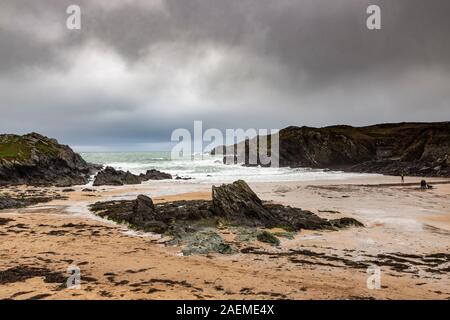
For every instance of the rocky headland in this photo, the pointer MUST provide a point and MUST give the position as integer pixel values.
(414, 149)
(34, 159)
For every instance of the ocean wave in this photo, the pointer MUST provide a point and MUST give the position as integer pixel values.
(209, 168)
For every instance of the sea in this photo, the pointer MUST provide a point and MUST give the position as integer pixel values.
(208, 168)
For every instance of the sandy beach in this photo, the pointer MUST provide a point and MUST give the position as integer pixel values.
(190, 150)
(406, 235)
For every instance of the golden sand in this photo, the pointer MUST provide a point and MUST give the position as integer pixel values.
(116, 263)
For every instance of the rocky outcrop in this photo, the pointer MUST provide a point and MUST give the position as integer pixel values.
(408, 148)
(237, 201)
(112, 177)
(37, 160)
(155, 175)
(239, 205)
(234, 204)
(140, 213)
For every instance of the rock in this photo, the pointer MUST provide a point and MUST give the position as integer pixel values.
(145, 214)
(267, 237)
(144, 207)
(177, 177)
(139, 213)
(112, 177)
(233, 204)
(409, 148)
(7, 202)
(345, 222)
(294, 219)
(37, 160)
(237, 202)
(204, 242)
(155, 175)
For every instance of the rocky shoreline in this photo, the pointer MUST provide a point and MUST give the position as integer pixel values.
(414, 149)
(35, 160)
(234, 205)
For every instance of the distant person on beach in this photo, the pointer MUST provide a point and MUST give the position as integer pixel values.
(425, 185)
(403, 178)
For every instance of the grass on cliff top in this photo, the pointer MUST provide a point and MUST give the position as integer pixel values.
(14, 149)
(17, 148)
(377, 133)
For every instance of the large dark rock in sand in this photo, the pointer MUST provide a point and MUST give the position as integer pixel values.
(140, 213)
(234, 204)
(240, 205)
(112, 177)
(144, 207)
(237, 201)
(37, 160)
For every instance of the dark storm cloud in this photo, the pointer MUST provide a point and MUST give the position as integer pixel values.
(139, 69)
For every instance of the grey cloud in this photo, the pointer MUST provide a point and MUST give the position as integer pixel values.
(234, 63)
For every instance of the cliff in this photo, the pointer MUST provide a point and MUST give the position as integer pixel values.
(37, 160)
(408, 148)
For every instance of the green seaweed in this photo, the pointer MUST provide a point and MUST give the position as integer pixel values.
(267, 237)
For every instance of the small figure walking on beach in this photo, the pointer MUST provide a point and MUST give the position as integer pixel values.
(403, 177)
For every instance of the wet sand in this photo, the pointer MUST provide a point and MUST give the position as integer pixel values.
(406, 234)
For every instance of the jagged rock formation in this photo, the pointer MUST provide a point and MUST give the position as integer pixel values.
(410, 148)
(236, 201)
(112, 177)
(234, 204)
(37, 160)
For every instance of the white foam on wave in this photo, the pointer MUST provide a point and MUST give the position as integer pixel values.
(211, 168)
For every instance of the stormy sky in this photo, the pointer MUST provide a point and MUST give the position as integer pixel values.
(137, 70)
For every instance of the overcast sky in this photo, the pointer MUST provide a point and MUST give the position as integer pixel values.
(139, 69)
